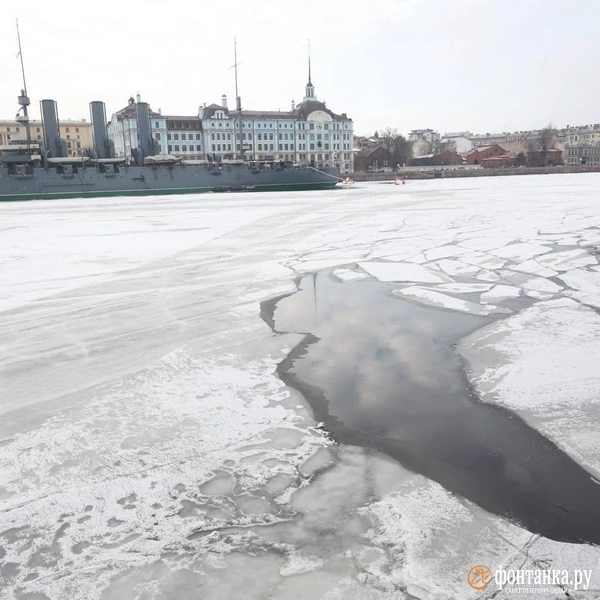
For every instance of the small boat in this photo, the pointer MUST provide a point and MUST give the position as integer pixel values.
(347, 182)
(399, 181)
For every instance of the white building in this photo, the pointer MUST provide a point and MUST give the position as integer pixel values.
(123, 130)
(459, 141)
(308, 133)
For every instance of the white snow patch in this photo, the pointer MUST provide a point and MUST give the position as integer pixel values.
(535, 268)
(432, 298)
(584, 281)
(528, 282)
(463, 288)
(500, 292)
(445, 252)
(349, 275)
(569, 259)
(400, 272)
(523, 250)
(455, 267)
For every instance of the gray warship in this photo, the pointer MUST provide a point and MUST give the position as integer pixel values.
(32, 170)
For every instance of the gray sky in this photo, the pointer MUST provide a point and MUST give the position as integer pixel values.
(450, 65)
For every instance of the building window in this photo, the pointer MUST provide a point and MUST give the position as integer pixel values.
(170, 148)
(184, 148)
(155, 125)
(271, 147)
(157, 136)
(198, 136)
(176, 147)
(175, 136)
(198, 147)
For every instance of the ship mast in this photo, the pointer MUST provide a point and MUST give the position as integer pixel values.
(238, 100)
(23, 98)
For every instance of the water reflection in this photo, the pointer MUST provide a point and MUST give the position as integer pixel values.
(382, 372)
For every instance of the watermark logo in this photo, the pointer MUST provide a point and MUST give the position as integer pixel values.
(479, 577)
(516, 581)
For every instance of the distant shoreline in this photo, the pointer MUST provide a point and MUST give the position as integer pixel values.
(431, 173)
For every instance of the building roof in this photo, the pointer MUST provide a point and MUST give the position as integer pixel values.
(131, 111)
(211, 109)
(505, 156)
(268, 114)
(308, 106)
(483, 148)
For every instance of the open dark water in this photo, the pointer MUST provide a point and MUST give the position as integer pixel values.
(382, 372)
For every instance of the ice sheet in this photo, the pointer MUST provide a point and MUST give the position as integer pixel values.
(158, 454)
(542, 362)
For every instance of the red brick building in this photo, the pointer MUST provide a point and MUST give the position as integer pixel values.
(475, 156)
(499, 162)
(443, 158)
(374, 159)
(539, 158)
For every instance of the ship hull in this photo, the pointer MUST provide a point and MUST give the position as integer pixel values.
(89, 182)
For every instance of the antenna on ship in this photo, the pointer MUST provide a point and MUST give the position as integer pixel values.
(23, 98)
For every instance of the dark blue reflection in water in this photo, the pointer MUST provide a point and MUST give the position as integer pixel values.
(382, 372)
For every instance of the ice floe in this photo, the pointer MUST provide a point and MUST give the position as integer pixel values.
(542, 362)
(385, 271)
(433, 298)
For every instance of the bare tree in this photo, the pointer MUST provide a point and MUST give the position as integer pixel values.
(445, 146)
(396, 144)
(539, 144)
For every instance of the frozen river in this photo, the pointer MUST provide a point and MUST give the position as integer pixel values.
(151, 449)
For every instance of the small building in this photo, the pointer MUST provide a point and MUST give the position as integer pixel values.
(503, 161)
(441, 159)
(541, 158)
(123, 129)
(475, 156)
(76, 133)
(582, 154)
(458, 142)
(373, 159)
(184, 137)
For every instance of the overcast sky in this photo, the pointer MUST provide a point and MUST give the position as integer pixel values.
(451, 65)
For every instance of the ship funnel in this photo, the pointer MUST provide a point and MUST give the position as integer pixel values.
(99, 131)
(145, 141)
(52, 141)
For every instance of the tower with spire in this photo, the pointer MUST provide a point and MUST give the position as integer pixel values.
(309, 93)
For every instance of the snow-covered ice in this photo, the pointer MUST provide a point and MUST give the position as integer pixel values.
(542, 362)
(433, 298)
(384, 271)
(148, 448)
